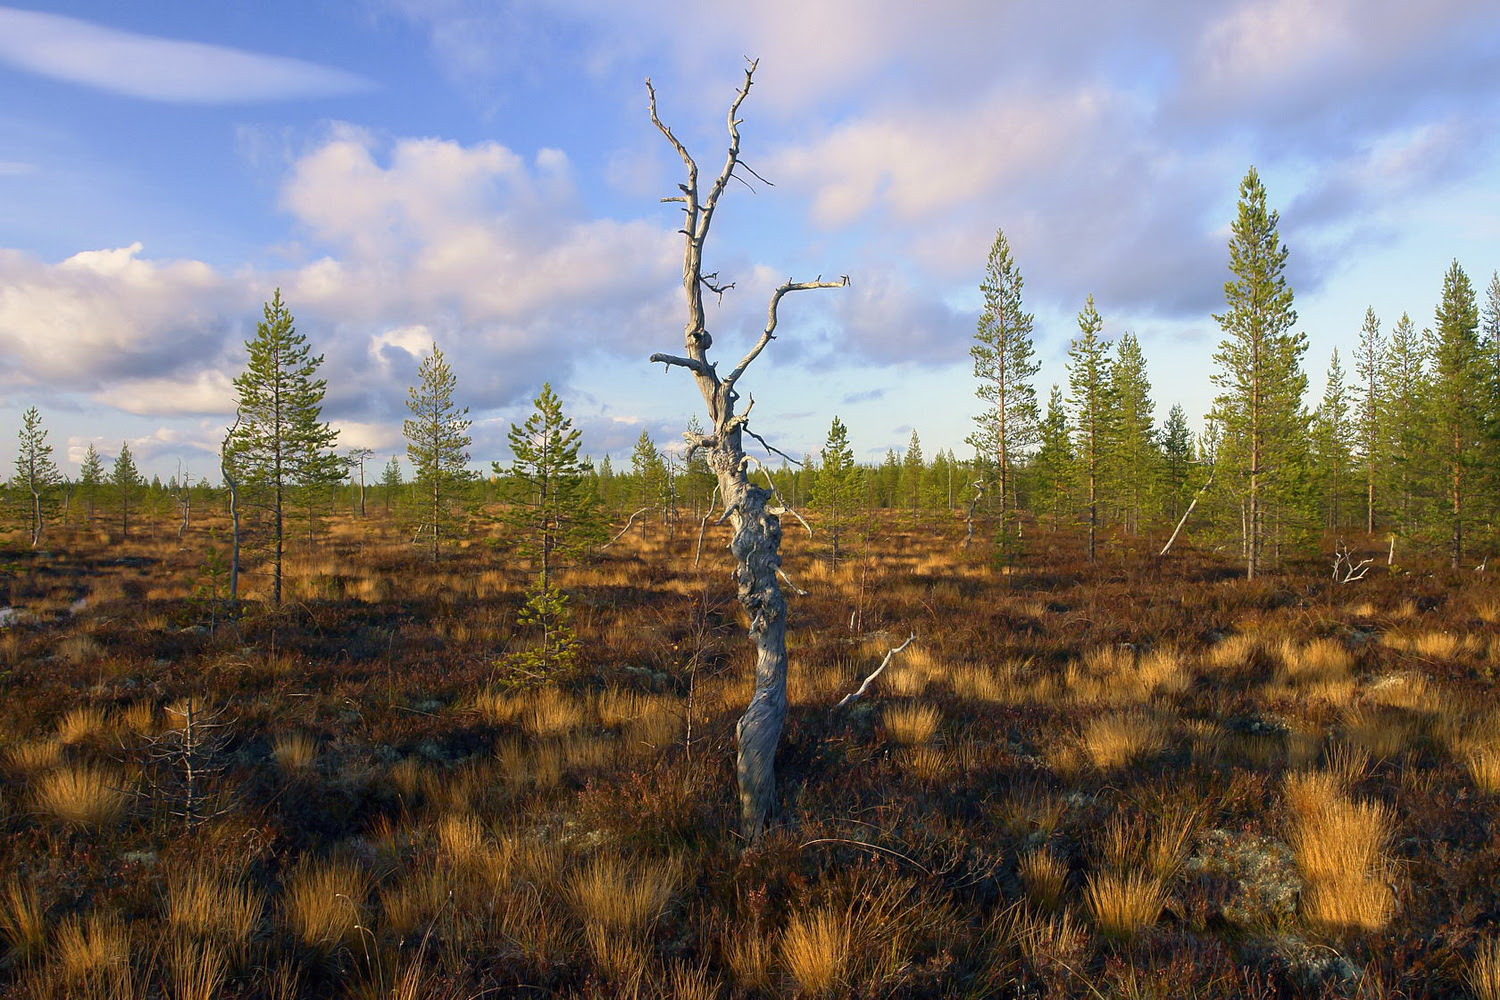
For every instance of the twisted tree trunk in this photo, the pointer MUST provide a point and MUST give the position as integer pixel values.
(755, 521)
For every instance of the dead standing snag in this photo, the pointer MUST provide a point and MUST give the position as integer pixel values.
(753, 516)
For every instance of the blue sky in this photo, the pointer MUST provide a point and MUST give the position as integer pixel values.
(484, 174)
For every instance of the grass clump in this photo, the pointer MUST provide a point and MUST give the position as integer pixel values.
(83, 796)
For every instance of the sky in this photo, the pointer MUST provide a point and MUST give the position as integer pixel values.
(483, 174)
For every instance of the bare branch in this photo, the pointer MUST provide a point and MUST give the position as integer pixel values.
(751, 171)
(859, 692)
(770, 447)
(798, 590)
(732, 157)
(676, 144)
(769, 334)
(691, 364)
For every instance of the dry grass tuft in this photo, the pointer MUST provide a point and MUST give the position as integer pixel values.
(323, 903)
(1483, 763)
(1113, 741)
(1124, 904)
(1484, 971)
(910, 725)
(748, 956)
(23, 921)
(549, 712)
(93, 950)
(86, 722)
(36, 755)
(82, 796)
(815, 950)
(1339, 845)
(295, 753)
(1045, 876)
(140, 718)
(197, 971)
(623, 895)
(203, 903)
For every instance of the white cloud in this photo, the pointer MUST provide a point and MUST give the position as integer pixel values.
(203, 392)
(159, 69)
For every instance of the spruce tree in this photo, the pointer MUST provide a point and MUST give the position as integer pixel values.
(913, 471)
(437, 445)
(1004, 365)
(1333, 443)
(1404, 429)
(1369, 366)
(36, 473)
(90, 479)
(1051, 468)
(1458, 387)
(1090, 398)
(1177, 461)
(837, 489)
(1135, 457)
(281, 447)
(126, 483)
(698, 480)
(391, 481)
(1259, 364)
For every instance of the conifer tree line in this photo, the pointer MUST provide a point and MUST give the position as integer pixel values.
(1402, 448)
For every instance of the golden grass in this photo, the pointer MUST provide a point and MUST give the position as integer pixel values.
(497, 707)
(1483, 763)
(911, 724)
(79, 649)
(1232, 653)
(295, 753)
(36, 755)
(1112, 741)
(23, 921)
(208, 904)
(549, 712)
(1484, 970)
(82, 795)
(198, 971)
(93, 949)
(83, 723)
(623, 896)
(1339, 845)
(928, 763)
(323, 903)
(140, 718)
(1123, 904)
(815, 950)
(748, 955)
(1044, 875)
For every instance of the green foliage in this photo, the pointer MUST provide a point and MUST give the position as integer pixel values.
(1407, 381)
(552, 506)
(1004, 365)
(36, 473)
(126, 485)
(1333, 438)
(1177, 456)
(837, 489)
(1051, 469)
(1260, 375)
(650, 473)
(1369, 392)
(1455, 405)
(280, 449)
(391, 481)
(551, 650)
(437, 444)
(1135, 460)
(1091, 400)
(913, 475)
(90, 479)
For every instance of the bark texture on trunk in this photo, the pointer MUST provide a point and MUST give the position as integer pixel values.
(753, 515)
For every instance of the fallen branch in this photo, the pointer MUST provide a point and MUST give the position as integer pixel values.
(871, 679)
(874, 847)
(782, 573)
(1196, 497)
(627, 527)
(1343, 563)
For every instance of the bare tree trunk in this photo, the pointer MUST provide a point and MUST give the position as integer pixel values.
(1185, 514)
(756, 541)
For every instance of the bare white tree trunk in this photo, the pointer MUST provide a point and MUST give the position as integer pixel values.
(755, 521)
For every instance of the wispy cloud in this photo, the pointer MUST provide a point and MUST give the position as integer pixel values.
(160, 69)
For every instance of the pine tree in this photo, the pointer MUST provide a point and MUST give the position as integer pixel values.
(1457, 387)
(1260, 366)
(1135, 456)
(1369, 364)
(837, 489)
(391, 481)
(1333, 443)
(126, 483)
(36, 473)
(1004, 365)
(1051, 468)
(650, 473)
(281, 447)
(1404, 431)
(90, 479)
(1090, 398)
(913, 471)
(437, 444)
(552, 506)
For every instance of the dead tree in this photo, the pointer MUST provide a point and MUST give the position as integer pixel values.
(753, 516)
